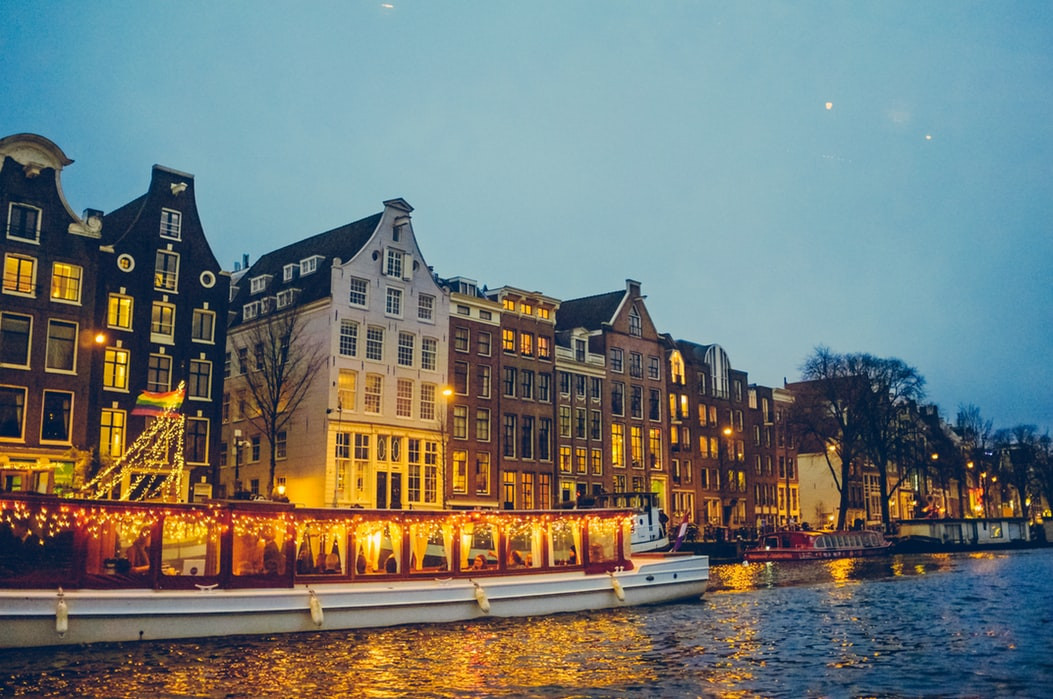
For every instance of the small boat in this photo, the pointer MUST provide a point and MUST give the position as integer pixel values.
(90, 571)
(791, 545)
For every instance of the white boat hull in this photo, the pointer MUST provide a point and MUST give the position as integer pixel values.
(32, 617)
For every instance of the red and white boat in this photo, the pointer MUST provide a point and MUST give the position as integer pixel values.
(88, 571)
(790, 545)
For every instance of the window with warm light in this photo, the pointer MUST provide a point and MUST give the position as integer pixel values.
(404, 398)
(115, 368)
(66, 282)
(20, 275)
(119, 311)
(112, 433)
(373, 393)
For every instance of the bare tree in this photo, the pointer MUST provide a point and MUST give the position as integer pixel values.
(851, 404)
(1021, 448)
(284, 360)
(826, 416)
(975, 433)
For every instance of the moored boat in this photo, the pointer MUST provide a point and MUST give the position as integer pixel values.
(87, 571)
(649, 532)
(791, 545)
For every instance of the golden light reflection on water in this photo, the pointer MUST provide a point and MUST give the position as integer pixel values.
(556, 655)
(753, 576)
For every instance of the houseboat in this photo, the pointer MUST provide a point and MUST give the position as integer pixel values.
(809, 546)
(936, 535)
(88, 571)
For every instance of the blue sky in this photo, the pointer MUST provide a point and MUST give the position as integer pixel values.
(869, 176)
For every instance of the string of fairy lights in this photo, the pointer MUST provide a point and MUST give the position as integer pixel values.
(208, 522)
(153, 467)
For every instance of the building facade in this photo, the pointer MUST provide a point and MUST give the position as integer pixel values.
(162, 316)
(47, 321)
(369, 431)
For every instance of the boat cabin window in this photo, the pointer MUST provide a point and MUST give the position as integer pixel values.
(603, 541)
(431, 547)
(119, 547)
(34, 547)
(478, 546)
(321, 548)
(564, 539)
(378, 548)
(259, 545)
(190, 545)
(523, 549)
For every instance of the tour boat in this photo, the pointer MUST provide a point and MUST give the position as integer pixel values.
(88, 571)
(792, 545)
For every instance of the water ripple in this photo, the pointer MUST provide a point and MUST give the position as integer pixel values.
(916, 626)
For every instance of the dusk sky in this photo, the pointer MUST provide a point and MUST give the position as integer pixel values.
(871, 176)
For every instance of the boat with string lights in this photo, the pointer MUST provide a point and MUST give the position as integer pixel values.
(88, 571)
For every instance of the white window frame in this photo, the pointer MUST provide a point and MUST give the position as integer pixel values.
(358, 287)
(36, 228)
(171, 224)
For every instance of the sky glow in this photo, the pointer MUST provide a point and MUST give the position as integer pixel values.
(874, 177)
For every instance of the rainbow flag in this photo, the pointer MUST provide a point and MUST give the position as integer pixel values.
(154, 403)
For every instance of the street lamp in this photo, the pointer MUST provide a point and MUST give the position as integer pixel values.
(443, 416)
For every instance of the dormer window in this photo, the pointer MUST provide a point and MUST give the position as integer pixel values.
(267, 304)
(286, 297)
(171, 224)
(258, 285)
(309, 265)
(393, 263)
(250, 310)
(289, 272)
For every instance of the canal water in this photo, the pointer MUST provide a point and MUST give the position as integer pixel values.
(961, 625)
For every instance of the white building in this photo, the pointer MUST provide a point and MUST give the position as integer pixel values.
(369, 432)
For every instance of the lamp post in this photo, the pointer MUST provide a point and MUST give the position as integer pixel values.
(238, 444)
(443, 416)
